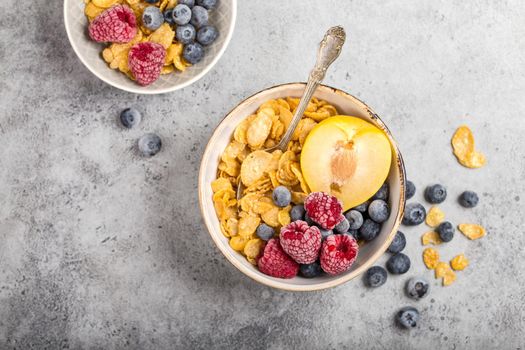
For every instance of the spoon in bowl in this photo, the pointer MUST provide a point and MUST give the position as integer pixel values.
(329, 49)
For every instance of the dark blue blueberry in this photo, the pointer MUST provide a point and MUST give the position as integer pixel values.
(398, 243)
(407, 317)
(193, 52)
(185, 34)
(362, 208)
(189, 3)
(417, 288)
(297, 212)
(325, 233)
(354, 233)
(207, 34)
(382, 193)
(130, 117)
(309, 220)
(199, 16)
(149, 145)
(181, 14)
(414, 214)
(435, 194)
(152, 18)
(310, 270)
(398, 264)
(281, 196)
(378, 210)
(209, 4)
(369, 230)
(468, 199)
(410, 190)
(265, 232)
(168, 16)
(355, 219)
(375, 276)
(446, 231)
(342, 227)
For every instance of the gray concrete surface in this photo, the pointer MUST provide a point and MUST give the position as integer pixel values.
(101, 249)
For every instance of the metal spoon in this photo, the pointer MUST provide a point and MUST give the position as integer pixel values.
(329, 49)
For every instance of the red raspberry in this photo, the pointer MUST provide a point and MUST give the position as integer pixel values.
(338, 253)
(324, 209)
(301, 242)
(116, 25)
(275, 262)
(145, 60)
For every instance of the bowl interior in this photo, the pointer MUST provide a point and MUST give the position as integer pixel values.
(347, 105)
(89, 52)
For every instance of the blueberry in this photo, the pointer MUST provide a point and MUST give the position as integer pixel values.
(362, 208)
(407, 317)
(369, 230)
(446, 231)
(199, 16)
(342, 227)
(382, 193)
(378, 210)
(398, 264)
(130, 117)
(209, 4)
(414, 214)
(281, 196)
(353, 233)
(189, 3)
(410, 190)
(375, 276)
(309, 220)
(398, 243)
(168, 16)
(181, 14)
(435, 194)
(149, 145)
(355, 219)
(152, 18)
(297, 212)
(207, 34)
(152, 1)
(265, 232)
(193, 52)
(417, 288)
(310, 270)
(468, 199)
(185, 34)
(325, 233)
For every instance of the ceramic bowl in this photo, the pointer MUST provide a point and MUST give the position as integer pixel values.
(346, 105)
(90, 52)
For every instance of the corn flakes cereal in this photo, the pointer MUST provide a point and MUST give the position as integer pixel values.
(459, 262)
(247, 225)
(430, 258)
(431, 237)
(284, 216)
(435, 216)
(472, 231)
(260, 128)
(271, 217)
(449, 277)
(221, 184)
(105, 3)
(254, 167)
(253, 248)
(464, 148)
(441, 269)
(238, 243)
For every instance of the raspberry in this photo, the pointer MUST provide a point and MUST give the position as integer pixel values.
(275, 262)
(338, 253)
(324, 209)
(301, 242)
(117, 25)
(145, 60)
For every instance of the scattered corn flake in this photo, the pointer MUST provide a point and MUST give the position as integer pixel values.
(459, 262)
(464, 148)
(441, 268)
(430, 258)
(449, 277)
(431, 237)
(435, 216)
(472, 231)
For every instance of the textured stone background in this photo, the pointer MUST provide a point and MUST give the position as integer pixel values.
(100, 248)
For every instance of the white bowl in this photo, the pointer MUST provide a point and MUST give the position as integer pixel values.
(346, 105)
(89, 52)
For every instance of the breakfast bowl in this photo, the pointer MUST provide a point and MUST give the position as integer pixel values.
(346, 104)
(223, 17)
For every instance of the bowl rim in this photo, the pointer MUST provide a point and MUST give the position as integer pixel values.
(138, 89)
(281, 284)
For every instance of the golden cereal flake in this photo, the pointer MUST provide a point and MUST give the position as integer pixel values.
(464, 148)
(441, 269)
(260, 128)
(472, 231)
(430, 258)
(435, 216)
(255, 166)
(431, 237)
(253, 248)
(459, 262)
(449, 277)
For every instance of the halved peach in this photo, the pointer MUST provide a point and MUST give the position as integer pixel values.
(347, 157)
